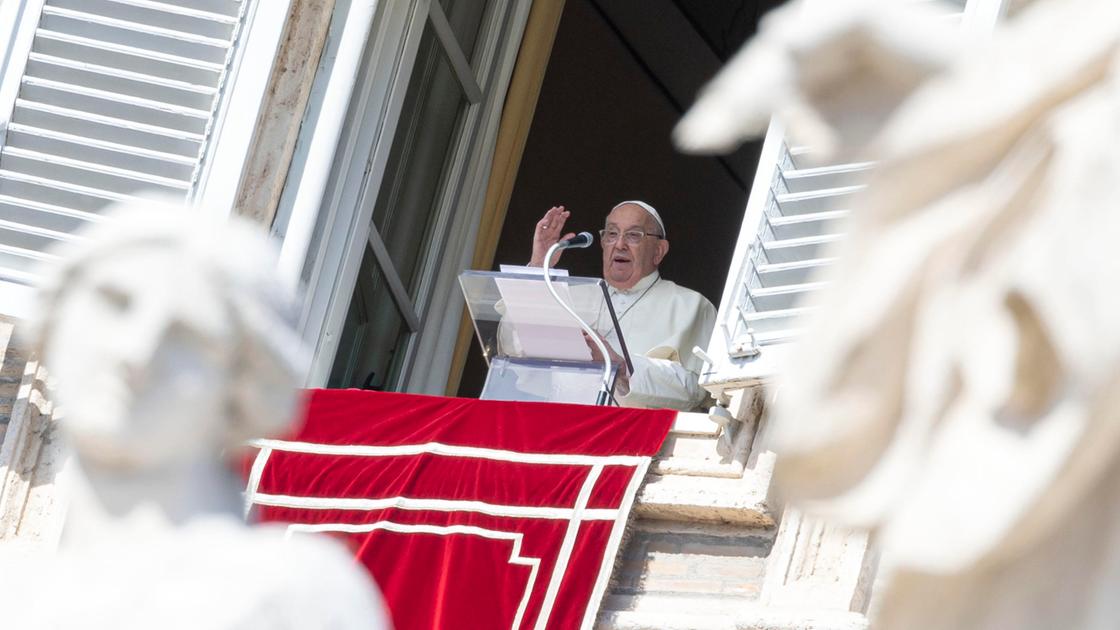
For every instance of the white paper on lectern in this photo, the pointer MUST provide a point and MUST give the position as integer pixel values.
(533, 271)
(542, 327)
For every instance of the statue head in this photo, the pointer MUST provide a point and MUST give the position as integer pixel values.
(169, 341)
(167, 336)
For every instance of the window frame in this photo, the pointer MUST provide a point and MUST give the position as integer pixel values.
(328, 268)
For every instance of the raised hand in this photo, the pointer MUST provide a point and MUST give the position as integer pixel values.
(548, 231)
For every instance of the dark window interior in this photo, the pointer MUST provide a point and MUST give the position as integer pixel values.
(620, 76)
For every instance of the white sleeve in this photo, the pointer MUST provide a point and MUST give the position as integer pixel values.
(662, 383)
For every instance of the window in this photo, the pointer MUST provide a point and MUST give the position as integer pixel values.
(384, 315)
(395, 226)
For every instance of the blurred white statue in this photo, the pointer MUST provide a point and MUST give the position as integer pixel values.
(959, 394)
(170, 343)
(832, 70)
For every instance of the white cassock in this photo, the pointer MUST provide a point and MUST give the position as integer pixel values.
(662, 322)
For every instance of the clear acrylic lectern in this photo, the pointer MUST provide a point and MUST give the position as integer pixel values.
(535, 350)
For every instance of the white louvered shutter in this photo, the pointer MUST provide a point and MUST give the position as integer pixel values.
(114, 99)
(796, 211)
(804, 213)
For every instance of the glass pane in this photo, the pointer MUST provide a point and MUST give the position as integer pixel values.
(374, 329)
(375, 337)
(430, 119)
(465, 17)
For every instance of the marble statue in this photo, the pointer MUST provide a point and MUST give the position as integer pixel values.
(170, 342)
(958, 394)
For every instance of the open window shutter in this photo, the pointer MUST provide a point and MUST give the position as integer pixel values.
(794, 213)
(804, 212)
(107, 100)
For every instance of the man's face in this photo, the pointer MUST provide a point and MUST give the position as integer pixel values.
(625, 264)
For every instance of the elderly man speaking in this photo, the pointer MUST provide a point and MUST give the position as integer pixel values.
(661, 320)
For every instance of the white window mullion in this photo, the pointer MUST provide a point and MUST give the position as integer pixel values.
(461, 204)
(460, 65)
(245, 83)
(18, 21)
(354, 131)
(393, 280)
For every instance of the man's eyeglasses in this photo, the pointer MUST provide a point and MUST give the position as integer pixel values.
(609, 236)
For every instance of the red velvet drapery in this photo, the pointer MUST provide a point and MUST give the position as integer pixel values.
(468, 513)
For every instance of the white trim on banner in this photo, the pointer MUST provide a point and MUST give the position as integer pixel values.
(255, 478)
(515, 556)
(435, 505)
(438, 448)
(565, 554)
(576, 515)
(613, 544)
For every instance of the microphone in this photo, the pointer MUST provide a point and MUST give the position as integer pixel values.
(583, 239)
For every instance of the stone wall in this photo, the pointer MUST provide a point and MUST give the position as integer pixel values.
(669, 557)
(708, 547)
(12, 361)
(30, 454)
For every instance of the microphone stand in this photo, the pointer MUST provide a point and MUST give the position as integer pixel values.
(605, 391)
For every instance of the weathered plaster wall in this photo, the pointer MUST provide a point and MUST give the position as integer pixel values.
(282, 112)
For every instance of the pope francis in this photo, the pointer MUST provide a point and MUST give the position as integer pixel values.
(660, 320)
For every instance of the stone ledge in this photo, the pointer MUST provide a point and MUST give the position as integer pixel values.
(692, 423)
(695, 455)
(627, 620)
(705, 499)
(712, 613)
(690, 559)
(634, 612)
(697, 467)
(698, 447)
